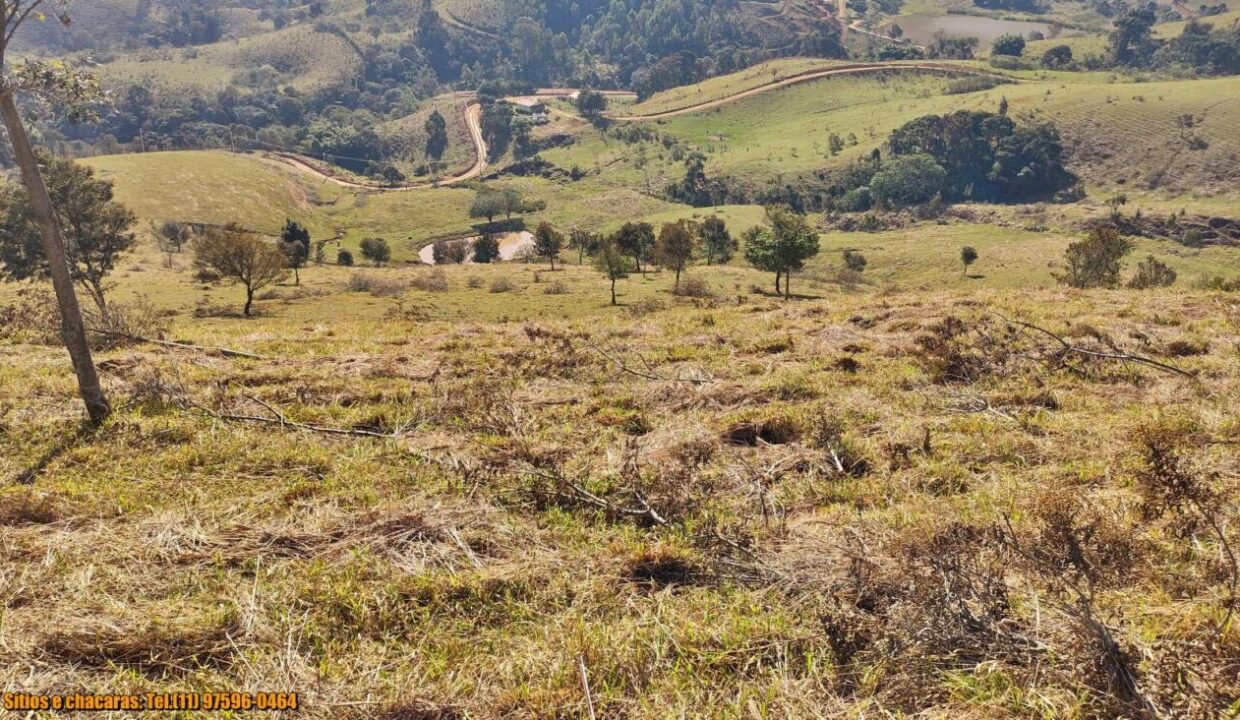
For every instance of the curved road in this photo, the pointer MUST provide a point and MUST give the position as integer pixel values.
(473, 116)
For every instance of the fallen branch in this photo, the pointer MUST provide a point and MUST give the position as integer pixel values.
(1068, 347)
(649, 373)
(226, 352)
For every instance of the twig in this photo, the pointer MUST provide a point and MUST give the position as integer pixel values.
(648, 373)
(226, 352)
(585, 684)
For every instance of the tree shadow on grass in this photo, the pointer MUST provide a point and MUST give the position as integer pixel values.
(82, 433)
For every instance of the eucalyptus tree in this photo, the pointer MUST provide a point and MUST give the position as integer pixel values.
(57, 81)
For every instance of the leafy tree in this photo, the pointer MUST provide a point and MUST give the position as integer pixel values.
(1095, 261)
(1009, 44)
(968, 256)
(171, 235)
(497, 129)
(591, 103)
(952, 48)
(487, 204)
(295, 242)
(908, 180)
(241, 257)
(548, 242)
(376, 250)
(783, 247)
(611, 260)
(344, 258)
(674, 247)
(436, 135)
(583, 242)
(716, 240)
(486, 249)
(1057, 58)
(1131, 41)
(636, 239)
(1152, 273)
(514, 202)
(855, 261)
(450, 252)
(96, 228)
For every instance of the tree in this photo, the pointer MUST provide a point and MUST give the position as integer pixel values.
(69, 86)
(548, 242)
(1009, 44)
(835, 143)
(344, 258)
(487, 204)
(376, 250)
(1152, 273)
(611, 260)
(450, 252)
(784, 246)
(1095, 261)
(514, 202)
(968, 256)
(716, 240)
(674, 248)
(436, 135)
(171, 236)
(855, 261)
(636, 239)
(295, 242)
(486, 249)
(591, 104)
(97, 229)
(1057, 57)
(241, 257)
(908, 180)
(583, 242)
(1130, 42)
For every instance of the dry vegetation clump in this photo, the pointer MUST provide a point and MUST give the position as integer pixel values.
(658, 515)
(376, 285)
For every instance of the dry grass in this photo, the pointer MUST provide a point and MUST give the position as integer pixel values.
(889, 503)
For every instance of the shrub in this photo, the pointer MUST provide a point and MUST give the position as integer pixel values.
(1010, 44)
(375, 285)
(1095, 261)
(556, 288)
(694, 287)
(502, 285)
(344, 258)
(435, 281)
(1152, 273)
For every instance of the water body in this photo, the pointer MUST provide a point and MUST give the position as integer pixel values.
(510, 246)
(921, 29)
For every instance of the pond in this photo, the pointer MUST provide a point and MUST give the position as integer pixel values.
(921, 29)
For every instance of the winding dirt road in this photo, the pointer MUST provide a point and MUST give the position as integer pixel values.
(473, 116)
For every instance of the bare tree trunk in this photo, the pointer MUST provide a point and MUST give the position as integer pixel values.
(613, 291)
(72, 329)
(249, 299)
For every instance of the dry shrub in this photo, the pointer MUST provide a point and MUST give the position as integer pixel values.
(376, 285)
(33, 317)
(694, 287)
(771, 430)
(28, 508)
(435, 281)
(556, 288)
(956, 351)
(828, 434)
(1185, 348)
(124, 322)
(1196, 678)
(474, 282)
(642, 308)
(659, 567)
(502, 285)
(154, 648)
(420, 709)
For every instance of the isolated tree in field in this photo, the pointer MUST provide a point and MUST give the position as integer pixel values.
(783, 247)
(835, 143)
(1095, 261)
(240, 257)
(487, 204)
(1152, 273)
(486, 249)
(611, 260)
(583, 242)
(295, 242)
(72, 90)
(436, 135)
(1009, 44)
(968, 256)
(855, 261)
(97, 230)
(591, 103)
(171, 236)
(674, 248)
(548, 242)
(636, 239)
(717, 242)
(344, 258)
(1057, 57)
(376, 250)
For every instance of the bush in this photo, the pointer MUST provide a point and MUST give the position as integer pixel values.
(502, 285)
(1095, 261)
(435, 281)
(474, 282)
(344, 258)
(972, 83)
(856, 200)
(1011, 45)
(1152, 273)
(556, 288)
(694, 287)
(375, 285)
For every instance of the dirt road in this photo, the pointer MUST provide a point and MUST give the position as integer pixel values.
(473, 116)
